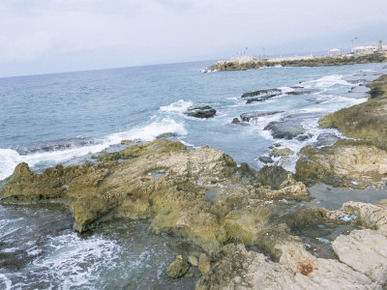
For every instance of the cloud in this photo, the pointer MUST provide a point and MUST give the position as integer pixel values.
(27, 48)
(153, 31)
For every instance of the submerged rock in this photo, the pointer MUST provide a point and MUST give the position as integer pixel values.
(202, 112)
(253, 116)
(289, 127)
(261, 95)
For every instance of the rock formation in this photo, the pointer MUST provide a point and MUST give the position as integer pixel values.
(354, 163)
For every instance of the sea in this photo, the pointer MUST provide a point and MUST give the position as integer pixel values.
(67, 118)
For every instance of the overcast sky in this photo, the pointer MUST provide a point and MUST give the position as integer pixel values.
(43, 36)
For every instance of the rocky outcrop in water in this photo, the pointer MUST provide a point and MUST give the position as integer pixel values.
(367, 121)
(202, 112)
(347, 163)
(160, 181)
(352, 163)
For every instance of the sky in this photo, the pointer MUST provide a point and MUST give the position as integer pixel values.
(49, 36)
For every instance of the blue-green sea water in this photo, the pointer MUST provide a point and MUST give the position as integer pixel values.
(66, 118)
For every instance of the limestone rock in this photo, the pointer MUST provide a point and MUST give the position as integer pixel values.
(246, 224)
(367, 121)
(177, 268)
(347, 163)
(365, 251)
(297, 269)
(204, 264)
(373, 216)
(193, 261)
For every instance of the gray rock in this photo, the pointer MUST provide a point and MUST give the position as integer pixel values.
(251, 116)
(202, 112)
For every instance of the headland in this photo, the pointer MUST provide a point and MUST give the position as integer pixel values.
(252, 63)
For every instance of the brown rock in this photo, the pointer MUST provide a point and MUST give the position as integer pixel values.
(177, 268)
(204, 264)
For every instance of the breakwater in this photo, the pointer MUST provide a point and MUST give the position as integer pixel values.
(245, 64)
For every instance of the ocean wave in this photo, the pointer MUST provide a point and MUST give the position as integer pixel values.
(38, 160)
(180, 106)
(327, 81)
(150, 132)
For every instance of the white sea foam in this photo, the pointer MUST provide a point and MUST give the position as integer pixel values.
(285, 90)
(5, 283)
(328, 81)
(10, 158)
(68, 256)
(151, 131)
(178, 107)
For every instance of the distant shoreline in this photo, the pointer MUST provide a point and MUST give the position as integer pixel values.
(251, 63)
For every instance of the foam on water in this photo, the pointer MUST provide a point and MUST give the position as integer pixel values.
(9, 158)
(180, 106)
(149, 132)
(327, 81)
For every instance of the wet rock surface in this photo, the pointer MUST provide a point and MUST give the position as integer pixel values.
(202, 112)
(289, 127)
(254, 116)
(347, 163)
(367, 121)
(261, 95)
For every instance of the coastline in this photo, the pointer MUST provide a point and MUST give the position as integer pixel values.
(166, 184)
(249, 63)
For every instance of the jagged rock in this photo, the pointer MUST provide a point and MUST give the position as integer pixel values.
(347, 163)
(365, 251)
(204, 265)
(177, 268)
(367, 121)
(252, 116)
(265, 159)
(262, 93)
(289, 127)
(160, 181)
(241, 269)
(235, 121)
(246, 225)
(372, 216)
(202, 112)
(283, 152)
(272, 176)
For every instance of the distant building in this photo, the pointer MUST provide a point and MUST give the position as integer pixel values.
(366, 49)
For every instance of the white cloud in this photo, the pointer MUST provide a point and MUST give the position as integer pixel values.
(155, 30)
(27, 48)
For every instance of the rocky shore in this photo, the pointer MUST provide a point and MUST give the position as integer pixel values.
(242, 64)
(251, 225)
